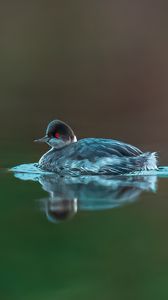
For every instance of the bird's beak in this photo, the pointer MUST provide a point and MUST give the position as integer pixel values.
(45, 139)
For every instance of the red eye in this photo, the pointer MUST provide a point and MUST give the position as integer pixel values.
(57, 135)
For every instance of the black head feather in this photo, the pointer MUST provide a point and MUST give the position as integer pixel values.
(57, 126)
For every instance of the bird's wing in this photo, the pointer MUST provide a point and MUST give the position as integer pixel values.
(93, 148)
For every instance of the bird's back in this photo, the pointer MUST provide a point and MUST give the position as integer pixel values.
(92, 156)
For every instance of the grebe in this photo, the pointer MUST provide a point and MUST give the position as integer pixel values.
(90, 156)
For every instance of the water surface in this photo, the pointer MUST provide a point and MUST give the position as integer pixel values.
(79, 238)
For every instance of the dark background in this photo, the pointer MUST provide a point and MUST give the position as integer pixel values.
(101, 66)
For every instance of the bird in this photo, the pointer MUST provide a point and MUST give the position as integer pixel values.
(90, 156)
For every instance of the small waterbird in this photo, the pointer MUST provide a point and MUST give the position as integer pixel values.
(90, 156)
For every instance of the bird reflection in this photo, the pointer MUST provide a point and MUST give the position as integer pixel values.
(68, 195)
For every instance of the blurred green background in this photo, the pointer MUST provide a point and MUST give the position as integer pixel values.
(101, 66)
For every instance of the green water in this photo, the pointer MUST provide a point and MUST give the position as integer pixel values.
(108, 253)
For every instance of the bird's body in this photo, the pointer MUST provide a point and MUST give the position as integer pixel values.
(91, 156)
